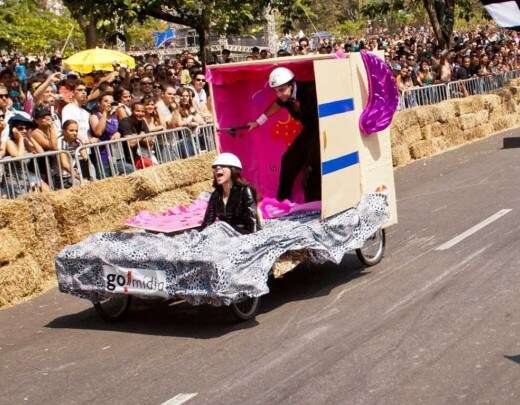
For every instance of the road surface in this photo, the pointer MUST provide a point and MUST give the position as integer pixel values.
(437, 322)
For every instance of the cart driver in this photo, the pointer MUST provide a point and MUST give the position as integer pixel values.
(299, 98)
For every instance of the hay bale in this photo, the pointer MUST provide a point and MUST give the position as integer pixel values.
(11, 249)
(20, 279)
(482, 117)
(470, 104)
(46, 239)
(426, 115)
(162, 201)
(422, 149)
(468, 121)
(175, 175)
(432, 130)
(288, 261)
(511, 106)
(196, 189)
(501, 122)
(504, 94)
(454, 138)
(400, 155)
(404, 119)
(446, 111)
(439, 144)
(411, 135)
(492, 102)
(396, 136)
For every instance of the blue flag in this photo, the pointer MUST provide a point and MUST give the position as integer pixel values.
(162, 37)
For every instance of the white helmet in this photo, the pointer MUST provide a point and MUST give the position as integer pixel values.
(280, 76)
(227, 159)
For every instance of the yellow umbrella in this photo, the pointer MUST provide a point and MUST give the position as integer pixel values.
(97, 59)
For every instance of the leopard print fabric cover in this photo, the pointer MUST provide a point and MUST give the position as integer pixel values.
(217, 266)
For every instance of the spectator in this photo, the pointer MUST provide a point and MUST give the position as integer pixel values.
(104, 126)
(75, 111)
(123, 97)
(424, 76)
(45, 132)
(133, 125)
(69, 174)
(166, 106)
(186, 115)
(7, 110)
(151, 116)
(226, 56)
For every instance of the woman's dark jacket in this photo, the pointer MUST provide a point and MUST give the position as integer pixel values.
(239, 212)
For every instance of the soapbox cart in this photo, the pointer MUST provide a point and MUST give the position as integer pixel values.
(353, 163)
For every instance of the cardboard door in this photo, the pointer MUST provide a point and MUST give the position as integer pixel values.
(339, 133)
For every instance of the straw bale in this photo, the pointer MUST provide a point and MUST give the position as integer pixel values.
(492, 101)
(412, 135)
(470, 104)
(405, 119)
(45, 240)
(400, 155)
(426, 115)
(163, 201)
(439, 144)
(175, 175)
(288, 261)
(482, 117)
(468, 121)
(196, 189)
(15, 214)
(20, 279)
(504, 94)
(515, 91)
(501, 122)
(432, 130)
(422, 149)
(511, 106)
(446, 111)
(455, 137)
(396, 136)
(11, 249)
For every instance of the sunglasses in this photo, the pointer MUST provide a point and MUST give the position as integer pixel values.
(2, 116)
(157, 86)
(146, 83)
(4, 95)
(201, 80)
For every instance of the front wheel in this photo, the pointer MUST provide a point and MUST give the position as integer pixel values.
(114, 308)
(246, 309)
(373, 250)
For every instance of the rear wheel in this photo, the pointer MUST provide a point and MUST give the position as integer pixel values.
(246, 309)
(373, 250)
(113, 309)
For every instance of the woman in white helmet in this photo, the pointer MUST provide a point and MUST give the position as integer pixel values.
(234, 199)
(299, 98)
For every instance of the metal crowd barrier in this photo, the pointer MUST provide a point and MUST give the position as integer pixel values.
(34, 173)
(434, 94)
(45, 171)
(126, 155)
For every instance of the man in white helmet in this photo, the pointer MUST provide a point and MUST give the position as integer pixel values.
(299, 98)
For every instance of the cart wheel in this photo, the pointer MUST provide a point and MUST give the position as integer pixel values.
(113, 309)
(247, 309)
(373, 250)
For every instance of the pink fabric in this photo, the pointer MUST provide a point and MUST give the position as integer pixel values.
(241, 95)
(175, 219)
(272, 208)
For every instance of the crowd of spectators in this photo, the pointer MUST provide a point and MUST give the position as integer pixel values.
(44, 108)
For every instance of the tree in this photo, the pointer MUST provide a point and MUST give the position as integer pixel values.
(28, 29)
(441, 13)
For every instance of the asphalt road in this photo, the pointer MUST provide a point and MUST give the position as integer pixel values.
(425, 326)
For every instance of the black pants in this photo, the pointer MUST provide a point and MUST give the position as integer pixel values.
(303, 154)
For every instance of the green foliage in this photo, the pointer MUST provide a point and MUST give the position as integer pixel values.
(141, 34)
(27, 29)
(350, 28)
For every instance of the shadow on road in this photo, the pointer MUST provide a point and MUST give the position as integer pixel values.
(516, 358)
(511, 142)
(205, 321)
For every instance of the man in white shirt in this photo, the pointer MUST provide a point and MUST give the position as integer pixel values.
(200, 99)
(75, 111)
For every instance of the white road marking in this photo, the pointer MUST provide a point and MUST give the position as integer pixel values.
(180, 399)
(473, 230)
